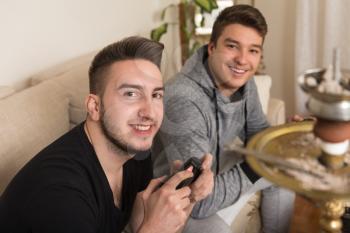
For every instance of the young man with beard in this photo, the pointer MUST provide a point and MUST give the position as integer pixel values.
(211, 102)
(98, 177)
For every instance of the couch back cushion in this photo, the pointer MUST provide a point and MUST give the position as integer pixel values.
(6, 91)
(75, 82)
(263, 84)
(74, 78)
(29, 121)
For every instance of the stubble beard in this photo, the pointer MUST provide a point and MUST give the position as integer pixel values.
(114, 139)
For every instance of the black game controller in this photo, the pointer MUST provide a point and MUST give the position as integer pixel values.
(196, 165)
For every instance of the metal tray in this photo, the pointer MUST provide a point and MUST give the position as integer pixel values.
(276, 141)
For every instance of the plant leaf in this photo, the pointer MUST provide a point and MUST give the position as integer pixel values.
(196, 45)
(202, 23)
(206, 5)
(162, 15)
(157, 33)
(188, 34)
(214, 5)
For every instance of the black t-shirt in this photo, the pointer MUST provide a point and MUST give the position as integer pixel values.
(63, 189)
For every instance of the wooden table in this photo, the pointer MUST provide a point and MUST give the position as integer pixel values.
(305, 217)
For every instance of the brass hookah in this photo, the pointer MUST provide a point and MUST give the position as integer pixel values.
(271, 151)
(332, 127)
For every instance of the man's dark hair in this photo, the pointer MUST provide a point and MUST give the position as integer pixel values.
(241, 14)
(129, 48)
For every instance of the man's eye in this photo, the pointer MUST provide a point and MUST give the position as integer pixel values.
(255, 51)
(232, 46)
(130, 94)
(158, 95)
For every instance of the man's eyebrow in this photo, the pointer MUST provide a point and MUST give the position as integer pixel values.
(138, 87)
(134, 86)
(159, 89)
(230, 40)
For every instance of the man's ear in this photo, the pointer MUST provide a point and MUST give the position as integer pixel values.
(92, 103)
(211, 47)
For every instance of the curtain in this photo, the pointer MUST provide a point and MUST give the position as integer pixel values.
(321, 25)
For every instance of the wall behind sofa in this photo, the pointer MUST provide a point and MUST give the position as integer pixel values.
(279, 55)
(37, 34)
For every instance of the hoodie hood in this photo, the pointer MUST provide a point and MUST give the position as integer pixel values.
(195, 69)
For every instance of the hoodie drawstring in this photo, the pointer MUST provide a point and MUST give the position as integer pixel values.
(217, 133)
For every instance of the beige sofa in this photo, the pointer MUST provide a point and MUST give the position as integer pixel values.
(32, 118)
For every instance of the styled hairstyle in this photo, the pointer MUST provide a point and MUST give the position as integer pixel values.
(129, 48)
(241, 14)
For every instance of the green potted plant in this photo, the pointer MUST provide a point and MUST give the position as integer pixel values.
(187, 25)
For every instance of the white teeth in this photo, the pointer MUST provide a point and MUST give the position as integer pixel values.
(240, 71)
(142, 127)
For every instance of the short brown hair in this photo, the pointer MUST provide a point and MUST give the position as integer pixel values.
(127, 49)
(241, 14)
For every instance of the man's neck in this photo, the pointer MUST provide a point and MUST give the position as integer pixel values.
(111, 159)
(105, 151)
(226, 91)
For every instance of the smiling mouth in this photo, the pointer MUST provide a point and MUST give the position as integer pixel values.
(141, 127)
(237, 70)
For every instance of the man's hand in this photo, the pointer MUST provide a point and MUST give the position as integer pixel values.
(165, 207)
(204, 184)
(298, 118)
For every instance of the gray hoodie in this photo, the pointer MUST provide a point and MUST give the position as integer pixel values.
(198, 119)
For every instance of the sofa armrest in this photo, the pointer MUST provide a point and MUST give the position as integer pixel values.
(276, 112)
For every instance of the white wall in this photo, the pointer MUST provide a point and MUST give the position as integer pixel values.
(279, 48)
(36, 34)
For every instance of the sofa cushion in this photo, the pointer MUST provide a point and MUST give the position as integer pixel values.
(73, 77)
(62, 68)
(5, 91)
(263, 83)
(75, 83)
(29, 121)
(248, 219)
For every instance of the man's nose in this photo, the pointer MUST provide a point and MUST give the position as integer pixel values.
(242, 57)
(146, 110)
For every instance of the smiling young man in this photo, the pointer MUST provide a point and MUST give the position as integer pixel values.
(98, 177)
(234, 57)
(210, 103)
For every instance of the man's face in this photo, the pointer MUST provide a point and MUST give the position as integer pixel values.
(132, 104)
(235, 57)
